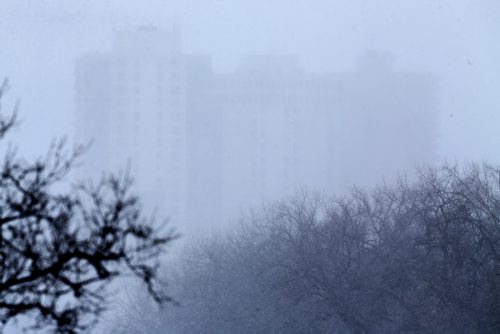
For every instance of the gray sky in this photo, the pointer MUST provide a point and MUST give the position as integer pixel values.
(456, 40)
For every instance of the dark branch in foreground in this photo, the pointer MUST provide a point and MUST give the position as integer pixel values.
(58, 251)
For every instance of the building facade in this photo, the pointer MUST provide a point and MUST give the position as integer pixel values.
(131, 104)
(204, 146)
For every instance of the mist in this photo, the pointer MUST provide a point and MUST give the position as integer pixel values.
(221, 109)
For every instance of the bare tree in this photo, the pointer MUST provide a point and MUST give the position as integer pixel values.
(415, 257)
(59, 250)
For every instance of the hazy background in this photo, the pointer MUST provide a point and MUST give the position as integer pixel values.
(456, 40)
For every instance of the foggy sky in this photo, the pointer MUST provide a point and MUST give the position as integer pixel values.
(456, 40)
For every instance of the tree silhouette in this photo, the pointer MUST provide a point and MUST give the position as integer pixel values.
(59, 250)
(418, 256)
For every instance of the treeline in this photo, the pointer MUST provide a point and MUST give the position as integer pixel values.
(417, 257)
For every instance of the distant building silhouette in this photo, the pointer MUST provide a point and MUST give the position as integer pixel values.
(387, 122)
(132, 104)
(203, 145)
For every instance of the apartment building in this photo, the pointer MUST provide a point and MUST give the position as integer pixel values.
(205, 146)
